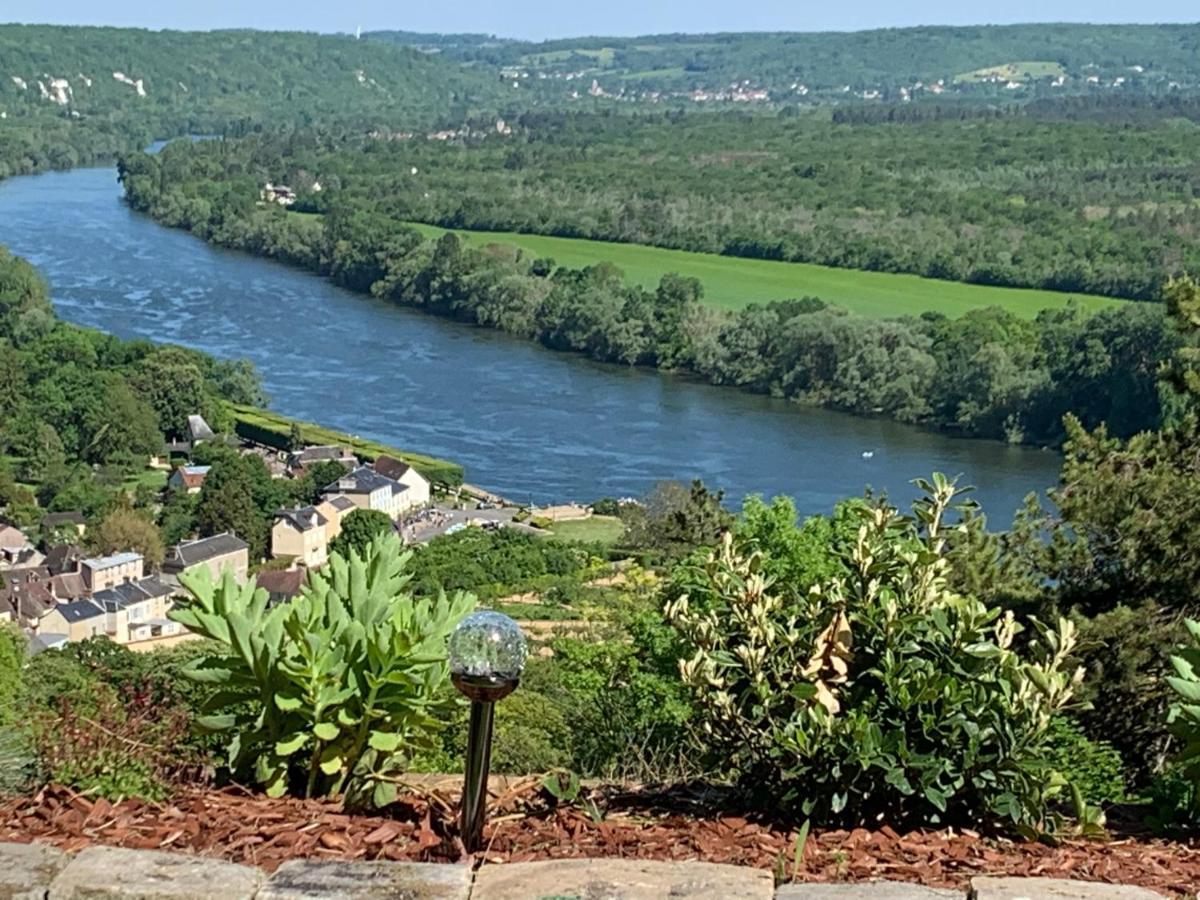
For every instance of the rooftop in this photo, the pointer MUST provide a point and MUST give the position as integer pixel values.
(302, 519)
(364, 480)
(79, 610)
(124, 595)
(116, 559)
(191, 553)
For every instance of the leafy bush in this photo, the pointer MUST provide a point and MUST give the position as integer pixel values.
(607, 506)
(530, 736)
(492, 563)
(882, 693)
(114, 747)
(12, 660)
(1094, 767)
(334, 689)
(1184, 717)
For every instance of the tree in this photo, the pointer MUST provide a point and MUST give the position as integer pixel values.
(676, 519)
(226, 503)
(124, 529)
(173, 384)
(359, 529)
(122, 424)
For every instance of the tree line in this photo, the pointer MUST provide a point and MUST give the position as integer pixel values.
(986, 374)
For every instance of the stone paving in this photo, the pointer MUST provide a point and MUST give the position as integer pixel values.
(37, 872)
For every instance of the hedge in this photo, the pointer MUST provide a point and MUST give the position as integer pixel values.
(274, 430)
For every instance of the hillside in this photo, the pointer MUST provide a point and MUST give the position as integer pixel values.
(873, 65)
(70, 94)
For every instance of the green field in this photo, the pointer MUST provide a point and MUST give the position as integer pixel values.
(1015, 71)
(731, 282)
(592, 530)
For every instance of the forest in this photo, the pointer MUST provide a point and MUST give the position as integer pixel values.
(887, 57)
(63, 104)
(1067, 206)
(987, 374)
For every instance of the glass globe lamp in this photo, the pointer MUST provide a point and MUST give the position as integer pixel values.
(486, 653)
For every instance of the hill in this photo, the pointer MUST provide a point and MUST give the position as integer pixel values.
(72, 94)
(804, 67)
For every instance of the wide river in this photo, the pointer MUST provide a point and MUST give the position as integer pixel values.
(526, 422)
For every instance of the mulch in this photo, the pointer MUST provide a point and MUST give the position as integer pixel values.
(245, 827)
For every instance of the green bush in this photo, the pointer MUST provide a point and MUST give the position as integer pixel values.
(1184, 717)
(606, 506)
(1094, 767)
(12, 661)
(880, 695)
(333, 690)
(492, 563)
(530, 736)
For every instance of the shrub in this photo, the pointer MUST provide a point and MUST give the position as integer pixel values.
(882, 693)
(1184, 717)
(12, 660)
(1094, 767)
(335, 688)
(606, 506)
(530, 736)
(113, 748)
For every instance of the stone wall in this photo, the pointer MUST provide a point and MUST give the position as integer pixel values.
(37, 872)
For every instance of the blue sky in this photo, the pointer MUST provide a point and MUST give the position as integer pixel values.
(555, 18)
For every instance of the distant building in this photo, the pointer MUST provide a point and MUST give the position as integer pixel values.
(78, 620)
(277, 193)
(281, 585)
(73, 519)
(25, 596)
(103, 572)
(418, 488)
(188, 478)
(301, 534)
(367, 489)
(300, 460)
(217, 553)
(334, 509)
(133, 609)
(199, 429)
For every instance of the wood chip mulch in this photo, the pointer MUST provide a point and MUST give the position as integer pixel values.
(245, 827)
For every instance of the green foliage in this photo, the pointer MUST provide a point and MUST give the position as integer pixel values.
(492, 563)
(359, 530)
(12, 662)
(879, 693)
(124, 529)
(530, 735)
(1095, 768)
(675, 519)
(1184, 717)
(333, 690)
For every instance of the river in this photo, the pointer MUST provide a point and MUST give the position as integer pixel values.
(526, 422)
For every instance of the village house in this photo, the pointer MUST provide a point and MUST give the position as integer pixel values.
(12, 537)
(66, 521)
(25, 596)
(281, 585)
(103, 572)
(135, 607)
(301, 534)
(367, 489)
(63, 559)
(188, 478)
(217, 553)
(300, 460)
(334, 509)
(78, 620)
(418, 492)
(277, 193)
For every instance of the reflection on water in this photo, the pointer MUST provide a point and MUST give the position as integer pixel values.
(526, 422)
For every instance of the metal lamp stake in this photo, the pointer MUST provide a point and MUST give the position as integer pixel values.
(487, 654)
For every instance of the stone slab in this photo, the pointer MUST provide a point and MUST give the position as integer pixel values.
(866, 890)
(621, 879)
(113, 873)
(995, 888)
(26, 870)
(308, 879)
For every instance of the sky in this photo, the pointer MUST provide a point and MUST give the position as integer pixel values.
(554, 18)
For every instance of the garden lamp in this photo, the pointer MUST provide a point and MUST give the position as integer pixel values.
(487, 654)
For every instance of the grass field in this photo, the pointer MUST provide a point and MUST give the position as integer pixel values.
(1015, 71)
(731, 282)
(592, 530)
